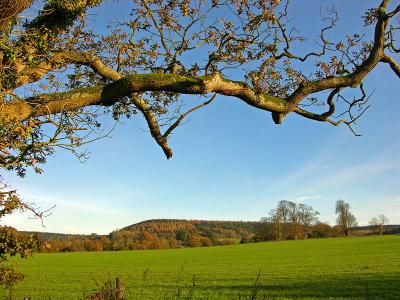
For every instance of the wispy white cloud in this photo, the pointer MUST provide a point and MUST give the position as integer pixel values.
(306, 198)
(321, 159)
(70, 215)
(74, 204)
(350, 174)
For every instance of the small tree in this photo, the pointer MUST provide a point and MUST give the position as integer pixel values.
(345, 218)
(379, 223)
(13, 243)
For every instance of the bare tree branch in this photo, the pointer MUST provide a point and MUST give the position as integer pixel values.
(66, 69)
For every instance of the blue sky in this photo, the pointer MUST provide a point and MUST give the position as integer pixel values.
(230, 162)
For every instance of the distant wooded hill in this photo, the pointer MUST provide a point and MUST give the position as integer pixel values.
(212, 229)
(172, 233)
(169, 227)
(175, 233)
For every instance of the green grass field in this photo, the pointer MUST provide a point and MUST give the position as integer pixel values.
(345, 268)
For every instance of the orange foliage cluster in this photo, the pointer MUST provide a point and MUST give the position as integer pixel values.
(164, 234)
(155, 234)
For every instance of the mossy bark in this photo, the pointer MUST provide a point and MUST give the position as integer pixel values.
(138, 83)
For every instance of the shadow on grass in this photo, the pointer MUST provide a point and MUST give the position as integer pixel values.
(371, 286)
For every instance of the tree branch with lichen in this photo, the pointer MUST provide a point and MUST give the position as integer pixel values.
(129, 72)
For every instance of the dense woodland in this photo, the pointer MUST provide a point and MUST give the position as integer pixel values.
(155, 234)
(169, 233)
(288, 221)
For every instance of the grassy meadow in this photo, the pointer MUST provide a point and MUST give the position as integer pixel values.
(344, 268)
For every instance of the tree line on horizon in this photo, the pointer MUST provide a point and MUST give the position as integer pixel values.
(288, 221)
(156, 234)
(292, 221)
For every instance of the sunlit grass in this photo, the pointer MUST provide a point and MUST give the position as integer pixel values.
(345, 268)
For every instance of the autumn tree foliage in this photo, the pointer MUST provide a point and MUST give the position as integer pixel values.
(172, 233)
(57, 74)
(154, 234)
(288, 220)
(13, 243)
